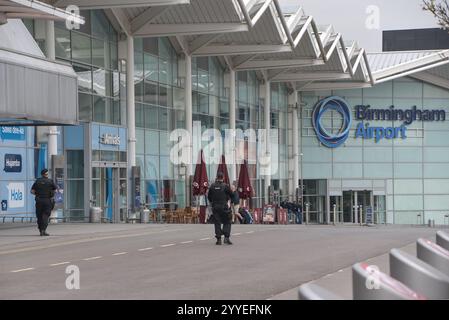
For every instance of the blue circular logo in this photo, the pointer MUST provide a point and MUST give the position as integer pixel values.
(335, 103)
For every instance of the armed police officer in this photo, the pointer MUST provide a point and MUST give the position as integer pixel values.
(219, 194)
(44, 190)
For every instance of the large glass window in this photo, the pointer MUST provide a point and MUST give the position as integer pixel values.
(93, 51)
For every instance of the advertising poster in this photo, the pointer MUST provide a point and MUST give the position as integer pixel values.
(269, 212)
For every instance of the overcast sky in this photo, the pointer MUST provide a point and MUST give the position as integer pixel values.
(350, 17)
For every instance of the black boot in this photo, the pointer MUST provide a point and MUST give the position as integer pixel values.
(227, 241)
(44, 233)
(218, 243)
(41, 232)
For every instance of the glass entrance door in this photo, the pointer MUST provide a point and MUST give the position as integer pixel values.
(355, 204)
(336, 209)
(109, 192)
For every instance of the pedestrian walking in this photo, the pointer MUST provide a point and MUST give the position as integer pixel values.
(219, 195)
(44, 190)
(235, 204)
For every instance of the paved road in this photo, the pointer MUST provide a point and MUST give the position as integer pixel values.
(182, 261)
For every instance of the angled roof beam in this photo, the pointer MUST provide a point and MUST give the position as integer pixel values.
(247, 7)
(107, 4)
(347, 58)
(319, 86)
(368, 67)
(279, 64)
(359, 59)
(303, 31)
(333, 46)
(228, 50)
(261, 11)
(147, 17)
(239, 60)
(294, 19)
(162, 30)
(284, 23)
(318, 40)
(122, 20)
(202, 41)
(311, 76)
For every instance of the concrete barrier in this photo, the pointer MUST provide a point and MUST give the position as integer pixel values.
(310, 291)
(369, 283)
(433, 254)
(418, 275)
(443, 239)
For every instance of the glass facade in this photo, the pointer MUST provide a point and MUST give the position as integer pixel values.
(407, 177)
(93, 52)
(160, 108)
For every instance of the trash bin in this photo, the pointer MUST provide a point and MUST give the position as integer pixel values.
(95, 214)
(144, 215)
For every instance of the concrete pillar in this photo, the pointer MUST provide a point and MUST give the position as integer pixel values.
(51, 55)
(130, 102)
(232, 118)
(295, 142)
(189, 124)
(267, 121)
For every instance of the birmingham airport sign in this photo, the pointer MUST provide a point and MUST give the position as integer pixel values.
(365, 113)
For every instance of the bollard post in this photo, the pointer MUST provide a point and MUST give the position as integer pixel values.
(443, 239)
(418, 275)
(311, 291)
(307, 213)
(335, 214)
(433, 254)
(368, 283)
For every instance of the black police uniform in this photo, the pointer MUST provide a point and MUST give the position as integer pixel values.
(44, 189)
(219, 194)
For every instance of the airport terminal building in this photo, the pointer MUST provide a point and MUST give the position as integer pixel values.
(355, 132)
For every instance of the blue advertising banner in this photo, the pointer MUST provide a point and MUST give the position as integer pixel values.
(13, 163)
(13, 133)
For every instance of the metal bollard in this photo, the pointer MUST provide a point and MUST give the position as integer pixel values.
(368, 283)
(335, 214)
(418, 275)
(311, 291)
(443, 239)
(307, 213)
(433, 254)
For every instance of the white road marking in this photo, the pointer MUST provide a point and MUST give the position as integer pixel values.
(145, 249)
(93, 258)
(21, 270)
(341, 270)
(59, 264)
(167, 245)
(236, 234)
(204, 239)
(86, 240)
(119, 253)
(184, 242)
(250, 232)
